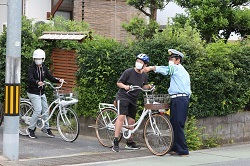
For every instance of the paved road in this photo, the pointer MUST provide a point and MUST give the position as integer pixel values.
(86, 150)
(55, 151)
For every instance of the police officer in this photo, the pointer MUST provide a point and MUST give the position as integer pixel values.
(179, 91)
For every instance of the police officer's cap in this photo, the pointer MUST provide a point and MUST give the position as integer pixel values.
(174, 53)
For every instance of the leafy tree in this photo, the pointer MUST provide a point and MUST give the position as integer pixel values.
(212, 16)
(140, 28)
(152, 5)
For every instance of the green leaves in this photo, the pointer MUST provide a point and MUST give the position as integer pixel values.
(217, 81)
(139, 28)
(193, 134)
(211, 17)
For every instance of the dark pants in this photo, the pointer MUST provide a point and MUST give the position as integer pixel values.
(178, 115)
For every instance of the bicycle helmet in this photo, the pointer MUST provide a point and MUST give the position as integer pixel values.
(143, 57)
(39, 53)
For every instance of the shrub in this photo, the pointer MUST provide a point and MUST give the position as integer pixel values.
(220, 83)
(193, 134)
(101, 63)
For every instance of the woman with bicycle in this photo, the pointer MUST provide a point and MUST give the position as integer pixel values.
(126, 101)
(37, 72)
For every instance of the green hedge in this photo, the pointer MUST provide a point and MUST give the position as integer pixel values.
(219, 72)
(220, 83)
(101, 63)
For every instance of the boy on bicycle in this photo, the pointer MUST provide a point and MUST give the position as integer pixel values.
(127, 101)
(37, 72)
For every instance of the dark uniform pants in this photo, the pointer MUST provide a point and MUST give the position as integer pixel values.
(178, 115)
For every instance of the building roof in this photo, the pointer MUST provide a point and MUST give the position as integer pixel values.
(64, 36)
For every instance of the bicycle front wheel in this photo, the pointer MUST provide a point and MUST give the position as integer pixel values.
(68, 124)
(26, 111)
(105, 126)
(158, 135)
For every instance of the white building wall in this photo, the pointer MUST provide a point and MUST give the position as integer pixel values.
(32, 9)
(37, 9)
(3, 14)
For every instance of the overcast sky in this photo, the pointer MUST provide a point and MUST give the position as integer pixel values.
(169, 11)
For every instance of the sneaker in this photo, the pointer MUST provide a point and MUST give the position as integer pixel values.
(48, 132)
(115, 147)
(132, 145)
(31, 133)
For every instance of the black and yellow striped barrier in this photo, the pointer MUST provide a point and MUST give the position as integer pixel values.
(12, 99)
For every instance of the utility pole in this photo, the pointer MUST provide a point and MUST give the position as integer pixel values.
(12, 80)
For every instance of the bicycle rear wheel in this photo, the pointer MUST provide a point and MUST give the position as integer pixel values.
(26, 111)
(68, 124)
(158, 136)
(105, 126)
(1, 113)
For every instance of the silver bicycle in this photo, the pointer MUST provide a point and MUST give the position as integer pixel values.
(66, 121)
(157, 132)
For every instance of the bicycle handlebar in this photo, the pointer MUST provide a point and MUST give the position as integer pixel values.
(58, 87)
(135, 87)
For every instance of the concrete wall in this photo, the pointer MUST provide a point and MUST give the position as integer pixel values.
(230, 128)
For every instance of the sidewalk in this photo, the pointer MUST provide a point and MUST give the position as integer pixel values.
(233, 155)
(88, 151)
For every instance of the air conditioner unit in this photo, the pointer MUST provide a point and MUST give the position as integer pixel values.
(4, 26)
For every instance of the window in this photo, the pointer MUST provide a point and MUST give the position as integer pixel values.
(65, 10)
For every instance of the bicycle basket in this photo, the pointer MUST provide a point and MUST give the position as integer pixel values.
(157, 101)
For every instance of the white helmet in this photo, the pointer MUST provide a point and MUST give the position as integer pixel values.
(39, 53)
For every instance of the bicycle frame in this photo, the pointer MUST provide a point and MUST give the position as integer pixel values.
(58, 103)
(126, 127)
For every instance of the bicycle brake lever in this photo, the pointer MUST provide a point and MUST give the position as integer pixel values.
(131, 87)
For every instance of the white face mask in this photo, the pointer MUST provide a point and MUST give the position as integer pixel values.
(38, 61)
(170, 63)
(138, 65)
